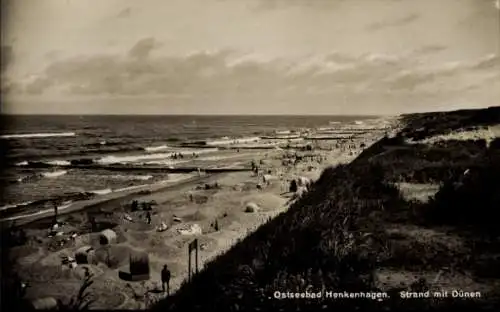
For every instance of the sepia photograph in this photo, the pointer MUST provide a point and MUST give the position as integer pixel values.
(250, 155)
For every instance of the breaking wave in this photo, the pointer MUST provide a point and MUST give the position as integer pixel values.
(132, 177)
(59, 162)
(19, 205)
(54, 174)
(111, 159)
(37, 135)
(102, 192)
(155, 148)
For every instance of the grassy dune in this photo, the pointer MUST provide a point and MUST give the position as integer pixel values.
(356, 231)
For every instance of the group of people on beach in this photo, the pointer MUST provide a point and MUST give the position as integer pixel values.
(181, 156)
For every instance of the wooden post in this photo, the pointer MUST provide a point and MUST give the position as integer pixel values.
(191, 246)
(196, 251)
(189, 263)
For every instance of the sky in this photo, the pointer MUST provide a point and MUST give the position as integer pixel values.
(249, 56)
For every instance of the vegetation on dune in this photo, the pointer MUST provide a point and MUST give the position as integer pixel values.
(470, 199)
(420, 163)
(421, 126)
(333, 238)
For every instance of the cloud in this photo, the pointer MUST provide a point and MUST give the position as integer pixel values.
(38, 85)
(125, 13)
(229, 76)
(143, 48)
(450, 75)
(52, 55)
(429, 49)
(393, 23)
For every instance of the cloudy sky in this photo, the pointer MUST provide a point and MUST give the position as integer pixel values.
(249, 56)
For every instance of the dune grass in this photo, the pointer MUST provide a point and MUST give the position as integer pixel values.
(334, 238)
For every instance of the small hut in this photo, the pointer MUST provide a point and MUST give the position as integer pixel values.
(107, 237)
(85, 255)
(48, 303)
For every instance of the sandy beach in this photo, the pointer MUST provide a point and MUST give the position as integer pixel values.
(212, 208)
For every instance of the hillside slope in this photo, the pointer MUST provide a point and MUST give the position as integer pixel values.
(366, 227)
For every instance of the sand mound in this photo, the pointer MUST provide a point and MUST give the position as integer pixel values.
(251, 207)
(265, 201)
(193, 229)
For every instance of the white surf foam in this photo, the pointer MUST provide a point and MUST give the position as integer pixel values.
(132, 177)
(233, 141)
(128, 188)
(22, 163)
(58, 162)
(165, 162)
(5, 207)
(111, 159)
(54, 174)
(101, 192)
(37, 135)
(65, 205)
(132, 158)
(176, 177)
(155, 148)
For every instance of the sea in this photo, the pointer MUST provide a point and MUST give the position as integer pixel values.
(117, 139)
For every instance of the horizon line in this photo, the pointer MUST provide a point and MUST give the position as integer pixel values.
(218, 115)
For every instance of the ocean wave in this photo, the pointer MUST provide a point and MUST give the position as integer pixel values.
(65, 205)
(155, 148)
(227, 141)
(22, 163)
(37, 135)
(18, 205)
(128, 188)
(164, 162)
(111, 159)
(132, 177)
(58, 162)
(54, 174)
(132, 158)
(101, 192)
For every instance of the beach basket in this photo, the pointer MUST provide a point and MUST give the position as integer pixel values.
(107, 237)
(85, 255)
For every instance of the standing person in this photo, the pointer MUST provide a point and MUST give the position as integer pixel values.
(56, 212)
(148, 217)
(165, 279)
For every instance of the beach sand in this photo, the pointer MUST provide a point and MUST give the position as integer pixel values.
(189, 202)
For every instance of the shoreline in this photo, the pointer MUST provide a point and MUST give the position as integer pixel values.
(102, 200)
(224, 204)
